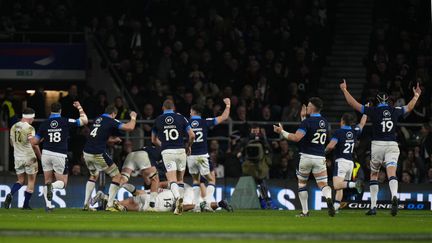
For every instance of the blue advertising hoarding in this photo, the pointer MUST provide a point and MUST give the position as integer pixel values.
(283, 193)
(42, 61)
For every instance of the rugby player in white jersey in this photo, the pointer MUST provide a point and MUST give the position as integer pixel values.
(26, 156)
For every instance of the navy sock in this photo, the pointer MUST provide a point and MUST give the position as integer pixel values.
(15, 187)
(27, 196)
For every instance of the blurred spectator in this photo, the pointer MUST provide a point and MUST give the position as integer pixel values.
(122, 111)
(37, 102)
(68, 110)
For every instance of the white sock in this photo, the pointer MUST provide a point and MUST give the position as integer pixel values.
(374, 194)
(336, 205)
(181, 189)
(196, 192)
(153, 196)
(303, 196)
(90, 185)
(393, 184)
(326, 192)
(209, 192)
(113, 189)
(58, 185)
(175, 190)
(351, 184)
(47, 202)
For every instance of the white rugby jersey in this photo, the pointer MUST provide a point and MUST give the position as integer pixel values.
(19, 137)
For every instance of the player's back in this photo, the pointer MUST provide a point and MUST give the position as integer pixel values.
(346, 137)
(19, 134)
(165, 201)
(200, 127)
(170, 128)
(315, 129)
(55, 132)
(384, 120)
(102, 128)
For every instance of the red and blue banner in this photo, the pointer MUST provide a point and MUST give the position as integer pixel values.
(42, 61)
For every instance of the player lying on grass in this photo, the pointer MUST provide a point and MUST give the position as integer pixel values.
(342, 143)
(165, 201)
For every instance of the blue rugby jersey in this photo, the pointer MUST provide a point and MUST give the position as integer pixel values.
(200, 127)
(346, 138)
(315, 129)
(100, 131)
(384, 119)
(171, 129)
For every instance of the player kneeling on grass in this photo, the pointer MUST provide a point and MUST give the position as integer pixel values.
(144, 161)
(343, 142)
(26, 156)
(96, 156)
(165, 201)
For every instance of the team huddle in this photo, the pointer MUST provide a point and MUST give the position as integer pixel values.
(181, 143)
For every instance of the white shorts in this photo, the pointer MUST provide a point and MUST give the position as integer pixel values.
(100, 162)
(343, 168)
(26, 165)
(198, 164)
(174, 159)
(384, 153)
(310, 163)
(52, 161)
(137, 161)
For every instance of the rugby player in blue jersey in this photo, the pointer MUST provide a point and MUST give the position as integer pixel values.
(343, 142)
(169, 131)
(54, 134)
(384, 147)
(311, 136)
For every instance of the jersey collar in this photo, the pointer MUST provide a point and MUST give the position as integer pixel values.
(195, 117)
(345, 127)
(382, 104)
(315, 115)
(54, 115)
(106, 115)
(168, 111)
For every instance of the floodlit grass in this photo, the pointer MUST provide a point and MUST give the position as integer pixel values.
(69, 224)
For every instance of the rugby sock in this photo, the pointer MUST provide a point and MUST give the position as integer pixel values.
(175, 189)
(303, 196)
(90, 185)
(350, 184)
(130, 188)
(181, 189)
(15, 187)
(153, 196)
(113, 189)
(58, 185)
(196, 193)
(47, 202)
(326, 191)
(209, 192)
(393, 184)
(27, 196)
(373, 187)
(336, 204)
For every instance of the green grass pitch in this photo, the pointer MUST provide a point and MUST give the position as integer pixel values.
(73, 225)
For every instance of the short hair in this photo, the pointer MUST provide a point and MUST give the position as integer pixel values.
(28, 111)
(111, 109)
(56, 107)
(317, 102)
(348, 119)
(198, 109)
(168, 104)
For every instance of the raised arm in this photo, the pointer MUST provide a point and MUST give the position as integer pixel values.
(417, 92)
(226, 112)
(83, 117)
(130, 126)
(348, 97)
(295, 137)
